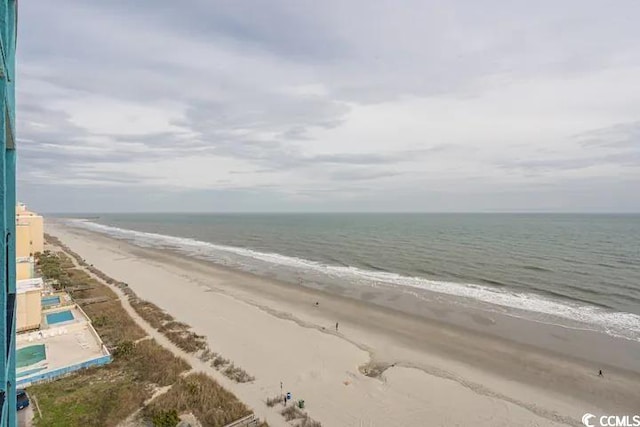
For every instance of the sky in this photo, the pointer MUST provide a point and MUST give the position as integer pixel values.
(307, 106)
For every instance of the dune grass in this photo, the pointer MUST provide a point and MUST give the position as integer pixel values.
(105, 396)
(293, 413)
(177, 332)
(199, 394)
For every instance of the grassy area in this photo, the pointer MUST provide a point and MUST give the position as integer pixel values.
(177, 332)
(154, 315)
(113, 323)
(197, 393)
(95, 397)
(151, 363)
(109, 318)
(65, 261)
(107, 395)
(50, 266)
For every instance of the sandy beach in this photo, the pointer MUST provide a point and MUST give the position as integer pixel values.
(437, 375)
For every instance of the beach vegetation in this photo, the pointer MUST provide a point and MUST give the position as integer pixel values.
(207, 355)
(110, 319)
(92, 397)
(49, 265)
(199, 394)
(273, 401)
(154, 364)
(105, 396)
(236, 374)
(177, 332)
(219, 361)
(293, 413)
(166, 419)
(151, 313)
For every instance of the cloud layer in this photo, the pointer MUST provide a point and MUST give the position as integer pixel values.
(330, 106)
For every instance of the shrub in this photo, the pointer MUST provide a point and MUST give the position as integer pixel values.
(166, 419)
(201, 395)
(219, 361)
(124, 350)
(236, 374)
(273, 401)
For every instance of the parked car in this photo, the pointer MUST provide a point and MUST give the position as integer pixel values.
(23, 399)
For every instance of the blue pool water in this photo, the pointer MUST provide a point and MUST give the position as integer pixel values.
(30, 355)
(47, 301)
(59, 317)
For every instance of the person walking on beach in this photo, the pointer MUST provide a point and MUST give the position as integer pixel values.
(336, 326)
(600, 374)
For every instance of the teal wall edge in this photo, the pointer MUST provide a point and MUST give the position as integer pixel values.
(8, 31)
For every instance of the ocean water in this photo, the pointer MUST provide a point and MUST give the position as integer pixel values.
(583, 270)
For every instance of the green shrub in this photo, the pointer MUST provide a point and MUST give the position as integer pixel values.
(166, 419)
(124, 350)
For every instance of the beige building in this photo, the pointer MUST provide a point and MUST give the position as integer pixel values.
(28, 304)
(23, 240)
(29, 230)
(24, 269)
(29, 241)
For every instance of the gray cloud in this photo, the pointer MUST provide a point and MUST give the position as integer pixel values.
(617, 145)
(316, 99)
(619, 159)
(622, 136)
(361, 174)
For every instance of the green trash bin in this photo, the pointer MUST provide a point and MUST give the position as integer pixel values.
(301, 404)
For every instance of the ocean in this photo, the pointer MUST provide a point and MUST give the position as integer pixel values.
(577, 270)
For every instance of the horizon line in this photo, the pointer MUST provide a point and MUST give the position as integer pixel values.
(345, 212)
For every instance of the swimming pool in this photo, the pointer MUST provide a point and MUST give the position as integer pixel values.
(31, 355)
(53, 300)
(59, 317)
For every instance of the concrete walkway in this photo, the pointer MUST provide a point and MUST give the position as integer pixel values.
(25, 417)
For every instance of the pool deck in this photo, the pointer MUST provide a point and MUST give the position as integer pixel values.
(69, 346)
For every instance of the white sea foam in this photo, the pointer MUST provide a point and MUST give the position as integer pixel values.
(620, 324)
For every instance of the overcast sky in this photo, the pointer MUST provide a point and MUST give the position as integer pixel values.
(329, 105)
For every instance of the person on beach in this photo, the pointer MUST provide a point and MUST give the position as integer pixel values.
(336, 326)
(600, 374)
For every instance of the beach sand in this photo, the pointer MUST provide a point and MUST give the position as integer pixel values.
(442, 375)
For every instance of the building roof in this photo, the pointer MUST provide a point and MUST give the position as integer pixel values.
(27, 285)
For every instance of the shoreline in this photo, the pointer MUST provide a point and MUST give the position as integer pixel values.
(441, 298)
(546, 386)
